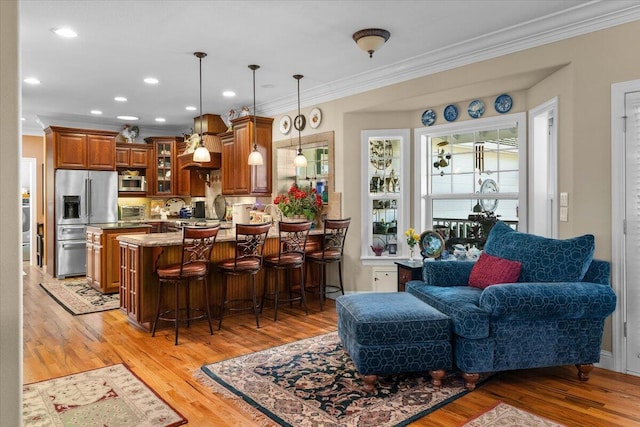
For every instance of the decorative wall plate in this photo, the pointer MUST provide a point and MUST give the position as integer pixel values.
(450, 113)
(299, 122)
(476, 109)
(285, 125)
(428, 117)
(315, 117)
(489, 186)
(431, 244)
(174, 205)
(503, 103)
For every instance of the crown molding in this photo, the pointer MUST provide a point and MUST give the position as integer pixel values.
(579, 20)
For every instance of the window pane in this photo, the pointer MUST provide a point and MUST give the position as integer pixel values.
(508, 182)
(463, 183)
(440, 184)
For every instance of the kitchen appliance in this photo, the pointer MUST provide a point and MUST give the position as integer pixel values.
(242, 213)
(131, 183)
(81, 197)
(131, 213)
(198, 210)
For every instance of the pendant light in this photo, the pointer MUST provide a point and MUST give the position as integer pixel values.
(255, 158)
(201, 154)
(300, 161)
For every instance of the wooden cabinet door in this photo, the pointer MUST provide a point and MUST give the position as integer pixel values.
(228, 163)
(139, 157)
(243, 136)
(101, 152)
(133, 255)
(123, 157)
(71, 151)
(124, 268)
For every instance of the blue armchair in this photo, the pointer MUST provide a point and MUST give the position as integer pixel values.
(553, 316)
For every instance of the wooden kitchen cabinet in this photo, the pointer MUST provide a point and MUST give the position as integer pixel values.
(71, 148)
(162, 173)
(129, 280)
(103, 257)
(238, 178)
(132, 156)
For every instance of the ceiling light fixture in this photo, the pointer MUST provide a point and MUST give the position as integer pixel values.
(202, 153)
(160, 119)
(300, 161)
(128, 117)
(190, 108)
(120, 99)
(96, 112)
(228, 94)
(255, 158)
(151, 80)
(371, 39)
(32, 81)
(65, 32)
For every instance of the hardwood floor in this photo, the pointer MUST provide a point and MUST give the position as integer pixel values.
(57, 344)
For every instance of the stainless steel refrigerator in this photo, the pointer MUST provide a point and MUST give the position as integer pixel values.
(82, 197)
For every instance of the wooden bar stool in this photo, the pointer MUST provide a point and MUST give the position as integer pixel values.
(249, 246)
(335, 234)
(292, 240)
(194, 265)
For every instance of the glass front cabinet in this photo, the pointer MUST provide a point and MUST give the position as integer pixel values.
(385, 196)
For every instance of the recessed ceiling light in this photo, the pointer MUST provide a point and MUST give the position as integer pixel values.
(190, 108)
(120, 99)
(151, 80)
(32, 81)
(268, 86)
(228, 94)
(96, 112)
(128, 117)
(23, 119)
(161, 119)
(65, 32)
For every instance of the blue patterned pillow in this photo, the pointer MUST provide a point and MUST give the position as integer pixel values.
(543, 259)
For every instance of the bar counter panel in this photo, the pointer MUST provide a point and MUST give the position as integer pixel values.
(140, 254)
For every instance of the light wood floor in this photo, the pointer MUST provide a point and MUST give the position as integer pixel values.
(57, 344)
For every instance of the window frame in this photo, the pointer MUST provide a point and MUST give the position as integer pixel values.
(422, 212)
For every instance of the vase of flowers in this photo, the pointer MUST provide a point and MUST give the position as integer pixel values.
(300, 203)
(412, 239)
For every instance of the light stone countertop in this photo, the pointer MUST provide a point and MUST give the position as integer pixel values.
(175, 238)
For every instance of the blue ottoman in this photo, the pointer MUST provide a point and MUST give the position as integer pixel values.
(391, 333)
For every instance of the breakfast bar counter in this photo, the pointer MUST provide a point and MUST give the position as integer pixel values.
(141, 254)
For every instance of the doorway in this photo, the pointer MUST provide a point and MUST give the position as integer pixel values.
(543, 181)
(625, 224)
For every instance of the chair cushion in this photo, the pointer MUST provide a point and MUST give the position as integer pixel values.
(330, 255)
(290, 259)
(491, 270)
(543, 259)
(244, 265)
(172, 271)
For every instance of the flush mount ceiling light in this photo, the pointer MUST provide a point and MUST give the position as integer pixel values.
(190, 108)
(300, 160)
(202, 153)
(160, 119)
(65, 32)
(255, 158)
(151, 81)
(128, 117)
(32, 81)
(120, 99)
(371, 39)
(228, 94)
(96, 112)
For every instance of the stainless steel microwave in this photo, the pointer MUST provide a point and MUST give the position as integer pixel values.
(131, 183)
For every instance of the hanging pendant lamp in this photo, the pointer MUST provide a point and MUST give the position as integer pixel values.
(255, 158)
(201, 154)
(300, 160)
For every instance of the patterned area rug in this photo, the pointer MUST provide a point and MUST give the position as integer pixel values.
(313, 382)
(79, 298)
(502, 415)
(110, 396)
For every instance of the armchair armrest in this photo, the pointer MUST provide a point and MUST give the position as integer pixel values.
(447, 273)
(564, 300)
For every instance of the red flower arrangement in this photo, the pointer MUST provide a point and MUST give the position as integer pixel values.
(299, 201)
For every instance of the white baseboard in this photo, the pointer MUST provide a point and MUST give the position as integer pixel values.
(606, 360)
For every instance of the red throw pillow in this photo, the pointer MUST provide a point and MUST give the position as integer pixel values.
(491, 270)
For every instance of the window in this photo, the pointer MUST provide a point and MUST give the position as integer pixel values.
(470, 173)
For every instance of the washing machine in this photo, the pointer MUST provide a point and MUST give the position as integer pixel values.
(26, 229)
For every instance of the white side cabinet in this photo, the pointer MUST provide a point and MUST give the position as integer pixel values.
(385, 198)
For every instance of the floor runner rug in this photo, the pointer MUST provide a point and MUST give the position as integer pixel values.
(110, 396)
(79, 298)
(506, 415)
(313, 382)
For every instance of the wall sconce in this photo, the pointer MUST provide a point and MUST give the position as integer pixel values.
(371, 39)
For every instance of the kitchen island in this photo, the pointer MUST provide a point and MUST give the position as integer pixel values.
(141, 254)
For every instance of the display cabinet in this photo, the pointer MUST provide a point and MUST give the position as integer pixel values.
(161, 178)
(385, 198)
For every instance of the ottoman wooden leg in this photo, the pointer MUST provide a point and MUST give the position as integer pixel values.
(436, 377)
(369, 382)
(470, 380)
